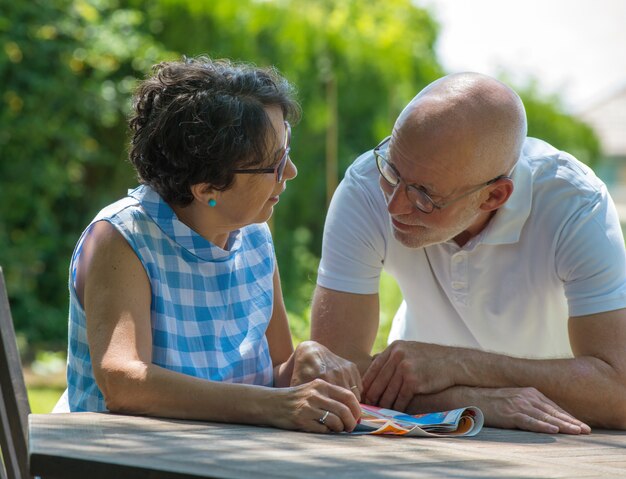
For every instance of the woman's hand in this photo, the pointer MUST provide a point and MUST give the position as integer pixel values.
(313, 360)
(316, 406)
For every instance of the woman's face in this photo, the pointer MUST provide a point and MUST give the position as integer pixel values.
(252, 197)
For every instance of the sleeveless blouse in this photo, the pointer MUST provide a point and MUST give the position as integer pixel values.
(210, 308)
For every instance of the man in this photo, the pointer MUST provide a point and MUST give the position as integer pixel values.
(510, 258)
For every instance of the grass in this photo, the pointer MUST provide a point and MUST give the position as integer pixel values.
(43, 399)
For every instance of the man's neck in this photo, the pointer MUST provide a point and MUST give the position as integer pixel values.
(481, 223)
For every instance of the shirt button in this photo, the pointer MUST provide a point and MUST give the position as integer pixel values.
(461, 299)
(457, 259)
(457, 285)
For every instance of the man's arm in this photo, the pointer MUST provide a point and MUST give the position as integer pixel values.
(591, 386)
(345, 323)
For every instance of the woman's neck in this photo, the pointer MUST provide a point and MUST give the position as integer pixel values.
(201, 223)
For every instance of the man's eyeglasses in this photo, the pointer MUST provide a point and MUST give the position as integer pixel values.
(416, 194)
(279, 169)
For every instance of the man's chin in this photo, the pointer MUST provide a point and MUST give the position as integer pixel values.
(411, 240)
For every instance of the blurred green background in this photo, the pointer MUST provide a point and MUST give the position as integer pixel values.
(68, 68)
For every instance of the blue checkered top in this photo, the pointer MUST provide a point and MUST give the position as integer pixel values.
(210, 307)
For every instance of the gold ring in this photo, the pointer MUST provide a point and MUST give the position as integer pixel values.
(354, 387)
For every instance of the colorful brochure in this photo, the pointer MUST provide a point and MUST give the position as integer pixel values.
(467, 421)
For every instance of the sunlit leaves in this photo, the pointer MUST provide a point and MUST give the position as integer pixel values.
(67, 68)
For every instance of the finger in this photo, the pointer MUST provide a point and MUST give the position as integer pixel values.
(343, 404)
(565, 426)
(380, 383)
(529, 423)
(357, 378)
(390, 394)
(316, 426)
(334, 423)
(373, 369)
(343, 417)
(553, 409)
(356, 383)
(355, 390)
(566, 423)
(404, 398)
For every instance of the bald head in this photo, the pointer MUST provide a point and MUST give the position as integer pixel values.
(473, 121)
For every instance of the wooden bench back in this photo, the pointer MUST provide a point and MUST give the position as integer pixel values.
(14, 406)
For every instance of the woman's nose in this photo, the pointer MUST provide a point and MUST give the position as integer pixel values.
(291, 171)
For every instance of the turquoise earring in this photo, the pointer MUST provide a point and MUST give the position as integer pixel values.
(212, 203)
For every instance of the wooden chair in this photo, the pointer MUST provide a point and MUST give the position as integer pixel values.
(14, 406)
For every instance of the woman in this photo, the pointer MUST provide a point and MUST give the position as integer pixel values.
(176, 308)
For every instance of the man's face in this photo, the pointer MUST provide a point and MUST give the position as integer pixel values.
(439, 172)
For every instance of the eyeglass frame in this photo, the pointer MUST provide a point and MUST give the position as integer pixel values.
(279, 169)
(419, 190)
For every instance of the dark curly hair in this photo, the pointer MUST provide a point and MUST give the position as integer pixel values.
(196, 120)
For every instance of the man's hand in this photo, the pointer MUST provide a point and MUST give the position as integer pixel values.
(313, 360)
(407, 368)
(524, 408)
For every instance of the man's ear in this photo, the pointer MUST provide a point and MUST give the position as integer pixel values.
(499, 193)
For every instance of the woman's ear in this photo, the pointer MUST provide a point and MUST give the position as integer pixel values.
(204, 193)
(499, 193)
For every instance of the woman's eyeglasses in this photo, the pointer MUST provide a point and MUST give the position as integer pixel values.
(279, 169)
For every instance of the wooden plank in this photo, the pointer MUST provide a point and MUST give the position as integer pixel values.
(14, 404)
(134, 446)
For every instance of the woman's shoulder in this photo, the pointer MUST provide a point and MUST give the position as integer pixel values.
(256, 234)
(117, 207)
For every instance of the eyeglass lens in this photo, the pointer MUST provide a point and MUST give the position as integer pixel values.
(419, 198)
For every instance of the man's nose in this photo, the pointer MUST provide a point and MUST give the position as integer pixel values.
(397, 201)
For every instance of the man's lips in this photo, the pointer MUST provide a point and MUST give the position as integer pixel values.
(402, 226)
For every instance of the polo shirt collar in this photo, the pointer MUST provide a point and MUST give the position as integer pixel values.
(506, 225)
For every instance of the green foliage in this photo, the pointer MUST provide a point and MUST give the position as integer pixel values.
(67, 70)
(68, 66)
(546, 120)
(390, 298)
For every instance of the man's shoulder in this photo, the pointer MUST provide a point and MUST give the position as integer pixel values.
(361, 181)
(363, 169)
(554, 168)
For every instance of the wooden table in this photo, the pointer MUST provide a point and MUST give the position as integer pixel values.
(91, 445)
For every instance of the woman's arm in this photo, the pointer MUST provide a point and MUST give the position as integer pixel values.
(279, 338)
(115, 291)
(310, 360)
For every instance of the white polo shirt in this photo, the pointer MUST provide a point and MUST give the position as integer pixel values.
(554, 250)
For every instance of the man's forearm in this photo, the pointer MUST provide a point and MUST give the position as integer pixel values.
(587, 387)
(345, 323)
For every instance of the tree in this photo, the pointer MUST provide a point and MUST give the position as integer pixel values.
(67, 72)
